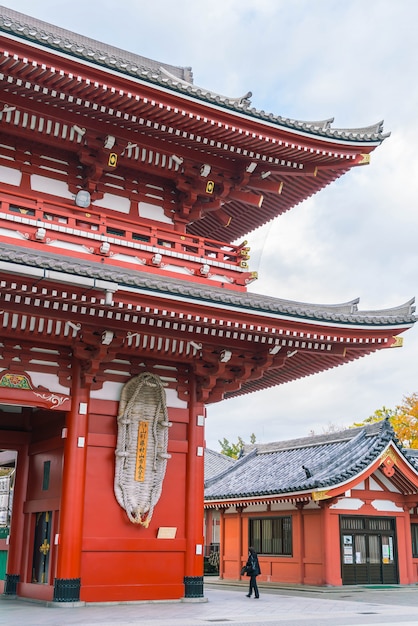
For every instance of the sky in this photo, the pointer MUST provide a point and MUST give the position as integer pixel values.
(351, 60)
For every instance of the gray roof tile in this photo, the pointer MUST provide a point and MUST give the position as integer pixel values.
(216, 463)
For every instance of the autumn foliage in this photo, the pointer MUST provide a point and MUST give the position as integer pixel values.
(404, 420)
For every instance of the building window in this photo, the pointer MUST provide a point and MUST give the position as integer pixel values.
(414, 533)
(271, 535)
(47, 473)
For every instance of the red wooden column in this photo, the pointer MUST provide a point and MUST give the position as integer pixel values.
(331, 546)
(300, 507)
(193, 574)
(68, 583)
(240, 546)
(407, 543)
(14, 558)
(327, 548)
(221, 542)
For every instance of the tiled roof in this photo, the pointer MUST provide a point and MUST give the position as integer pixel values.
(178, 79)
(216, 463)
(302, 465)
(62, 40)
(347, 313)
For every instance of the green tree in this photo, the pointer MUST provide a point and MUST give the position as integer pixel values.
(234, 449)
(377, 416)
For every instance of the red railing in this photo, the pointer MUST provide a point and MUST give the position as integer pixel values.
(110, 236)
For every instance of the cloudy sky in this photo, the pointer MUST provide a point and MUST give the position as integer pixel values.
(355, 61)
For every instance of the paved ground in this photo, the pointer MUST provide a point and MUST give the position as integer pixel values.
(227, 605)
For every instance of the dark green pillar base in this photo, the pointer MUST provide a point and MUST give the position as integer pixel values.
(193, 586)
(10, 584)
(67, 589)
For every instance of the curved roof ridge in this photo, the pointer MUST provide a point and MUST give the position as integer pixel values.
(397, 310)
(373, 129)
(357, 454)
(373, 132)
(338, 436)
(241, 101)
(352, 457)
(346, 312)
(348, 308)
(172, 77)
(325, 124)
(337, 455)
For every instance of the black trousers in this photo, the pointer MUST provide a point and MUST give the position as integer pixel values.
(253, 585)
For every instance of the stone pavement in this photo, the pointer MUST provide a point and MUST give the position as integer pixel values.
(227, 605)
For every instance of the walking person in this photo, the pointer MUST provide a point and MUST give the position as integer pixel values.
(253, 570)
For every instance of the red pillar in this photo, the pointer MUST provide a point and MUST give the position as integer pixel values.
(68, 582)
(331, 546)
(193, 578)
(240, 546)
(14, 558)
(221, 543)
(300, 506)
(406, 519)
(328, 551)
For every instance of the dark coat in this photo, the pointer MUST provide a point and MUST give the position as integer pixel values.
(253, 566)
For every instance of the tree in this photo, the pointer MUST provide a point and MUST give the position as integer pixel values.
(377, 416)
(234, 449)
(327, 430)
(404, 420)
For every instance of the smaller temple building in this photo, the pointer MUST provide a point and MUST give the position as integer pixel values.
(334, 509)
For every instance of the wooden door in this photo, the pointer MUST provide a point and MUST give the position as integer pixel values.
(41, 547)
(368, 551)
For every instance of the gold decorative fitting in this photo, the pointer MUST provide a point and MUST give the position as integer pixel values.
(319, 495)
(44, 548)
(365, 159)
(398, 342)
(389, 456)
(389, 465)
(112, 160)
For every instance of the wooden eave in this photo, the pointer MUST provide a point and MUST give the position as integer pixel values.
(144, 318)
(52, 92)
(297, 498)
